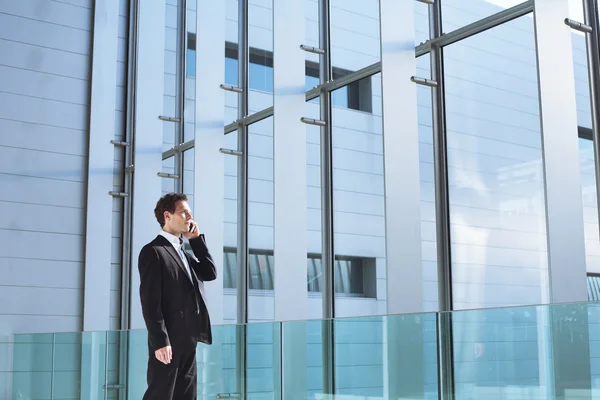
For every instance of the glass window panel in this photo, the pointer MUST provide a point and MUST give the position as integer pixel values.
(427, 173)
(421, 22)
(231, 56)
(231, 71)
(458, 13)
(355, 36)
(260, 68)
(496, 191)
(313, 212)
(359, 357)
(168, 184)
(586, 150)
(501, 351)
(190, 74)
(590, 205)
(188, 178)
(230, 241)
(580, 67)
(172, 64)
(594, 288)
(260, 211)
(358, 197)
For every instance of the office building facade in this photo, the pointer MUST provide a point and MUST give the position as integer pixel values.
(343, 158)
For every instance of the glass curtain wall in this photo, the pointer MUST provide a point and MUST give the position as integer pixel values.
(496, 206)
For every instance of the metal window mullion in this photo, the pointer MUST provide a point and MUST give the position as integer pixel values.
(442, 205)
(592, 41)
(326, 162)
(328, 253)
(242, 205)
(242, 248)
(180, 91)
(126, 262)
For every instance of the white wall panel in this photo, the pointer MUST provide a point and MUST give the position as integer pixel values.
(44, 97)
(44, 34)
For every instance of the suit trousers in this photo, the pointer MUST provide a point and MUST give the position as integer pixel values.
(174, 381)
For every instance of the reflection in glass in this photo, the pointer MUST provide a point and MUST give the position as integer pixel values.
(421, 22)
(590, 205)
(355, 36)
(260, 63)
(496, 193)
(188, 177)
(261, 270)
(168, 184)
(189, 108)
(358, 200)
(498, 349)
(313, 213)
(426, 171)
(230, 241)
(172, 63)
(458, 13)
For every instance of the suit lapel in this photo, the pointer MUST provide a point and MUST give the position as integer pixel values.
(173, 253)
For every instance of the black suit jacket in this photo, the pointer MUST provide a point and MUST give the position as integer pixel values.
(172, 305)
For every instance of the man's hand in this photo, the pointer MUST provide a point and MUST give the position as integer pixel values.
(195, 233)
(164, 355)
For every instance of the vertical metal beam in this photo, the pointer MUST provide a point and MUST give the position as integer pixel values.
(442, 202)
(98, 243)
(180, 90)
(592, 41)
(328, 252)
(328, 255)
(242, 205)
(126, 262)
(442, 208)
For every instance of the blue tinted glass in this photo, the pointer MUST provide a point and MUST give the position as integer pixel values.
(231, 72)
(339, 98)
(261, 78)
(310, 82)
(191, 63)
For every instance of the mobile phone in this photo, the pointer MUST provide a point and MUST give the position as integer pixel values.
(192, 228)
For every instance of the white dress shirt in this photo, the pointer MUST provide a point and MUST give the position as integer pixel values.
(178, 245)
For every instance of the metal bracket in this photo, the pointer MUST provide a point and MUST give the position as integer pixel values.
(430, 2)
(122, 144)
(312, 49)
(423, 81)
(229, 396)
(312, 121)
(166, 175)
(578, 26)
(231, 88)
(168, 119)
(230, 152)
(118, 194)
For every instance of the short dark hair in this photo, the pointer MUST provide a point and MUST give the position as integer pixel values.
(167, 203)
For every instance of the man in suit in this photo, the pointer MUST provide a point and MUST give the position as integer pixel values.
(173, 300)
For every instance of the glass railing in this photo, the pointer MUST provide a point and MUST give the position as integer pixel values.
(537, 352)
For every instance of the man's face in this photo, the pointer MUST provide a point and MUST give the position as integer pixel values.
(179, 221)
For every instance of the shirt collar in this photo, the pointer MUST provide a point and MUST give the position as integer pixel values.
(174, 240)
